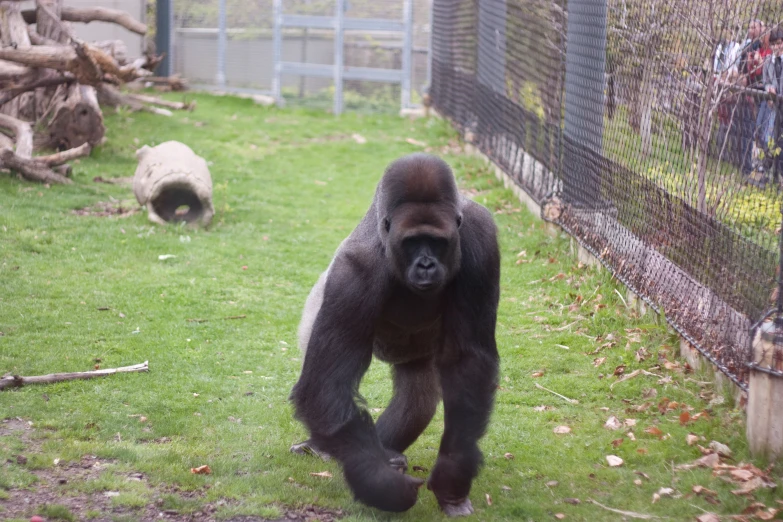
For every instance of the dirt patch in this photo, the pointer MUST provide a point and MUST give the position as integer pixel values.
(52, 489)
(109, 209)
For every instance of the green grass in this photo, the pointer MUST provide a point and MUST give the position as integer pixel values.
(289, 186)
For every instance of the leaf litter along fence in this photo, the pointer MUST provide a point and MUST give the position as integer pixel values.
(647, 126)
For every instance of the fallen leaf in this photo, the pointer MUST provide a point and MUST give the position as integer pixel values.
(201, 470)
(619, 370)
(617, 442)
(142, 419)
(489, 499)
(630, 422)
(685, 417)
(416, 142)
(538, 374)
(562, 429)
(552, 483)
(691, 439)
(631, 436)
(613, 423)
(574, 501)
(599, 361)
(559, 516)
(321, 474)
(638, 482)
(741, 474)
(614, 461)
(656, 498)
(654, 431)
(358, 138)
(721, 449)
(642, 451)
(509, 456)
(707, 517)
(542, 408)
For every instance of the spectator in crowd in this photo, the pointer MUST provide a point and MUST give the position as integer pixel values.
(726, 70)
(750, 76)
(772, 76)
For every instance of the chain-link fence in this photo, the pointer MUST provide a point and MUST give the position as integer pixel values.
(648, 129)
(245, 61)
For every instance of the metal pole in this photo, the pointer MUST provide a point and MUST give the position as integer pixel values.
(428, 85)
(584, 102)
(338, 58)
(221, 44)
(164, 19)
(407, 49)
(277, 48)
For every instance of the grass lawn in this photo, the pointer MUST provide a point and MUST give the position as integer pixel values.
(217, 324)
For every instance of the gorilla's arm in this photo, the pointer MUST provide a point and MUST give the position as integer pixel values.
(469, 364)
(338, 354)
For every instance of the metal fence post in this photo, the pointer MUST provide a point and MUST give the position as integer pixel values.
(277, 48)
(338, 57)
(407, 49)
(164, 18)
(221, 44)
(584, 102)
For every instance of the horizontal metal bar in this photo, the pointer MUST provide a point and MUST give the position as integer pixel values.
(316, 22)
(771, 371)
(372, 74)
(307, 69)
(372, 24)
(349, 73)
(349, 24)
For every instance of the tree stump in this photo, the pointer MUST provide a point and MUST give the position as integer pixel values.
(174, 184)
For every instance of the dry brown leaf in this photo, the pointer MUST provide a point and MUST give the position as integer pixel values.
(358, 138)
(654, 431)
(509, 456)
(619, 370)
(142, 419)
(538, 374)
(559, 516)
(741, 474)
(573, 501)
(631, 436)
(691, 439)
(707, 517)
(560, 430)
(201, 470)
(321, 474)
(599, 361)
(614, 461)
(613, 423)
(630, 422)
(685, 418)
(766, 515)
(638, 482)
(542, 408)
(617, 442)
(642, 451)
(416, 142)
(720, 449)
(489, 499)
(552, 483)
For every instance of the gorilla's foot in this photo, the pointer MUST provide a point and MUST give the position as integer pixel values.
(460, 509)
(308, 448)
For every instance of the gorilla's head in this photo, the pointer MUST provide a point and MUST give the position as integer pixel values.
(419, 215)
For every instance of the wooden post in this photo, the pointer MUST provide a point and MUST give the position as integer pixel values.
(765, 397)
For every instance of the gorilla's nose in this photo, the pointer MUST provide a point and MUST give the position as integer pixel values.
(425, 263)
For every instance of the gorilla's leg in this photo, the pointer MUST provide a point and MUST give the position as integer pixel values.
(416, 397)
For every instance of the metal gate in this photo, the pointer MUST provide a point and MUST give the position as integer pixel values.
(339, 71)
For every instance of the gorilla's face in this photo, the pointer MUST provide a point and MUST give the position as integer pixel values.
(424, 247)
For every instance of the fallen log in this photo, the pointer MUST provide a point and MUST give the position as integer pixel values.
(93, 14)
(16, 381)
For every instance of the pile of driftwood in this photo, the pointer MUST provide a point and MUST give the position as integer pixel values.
(51, 84)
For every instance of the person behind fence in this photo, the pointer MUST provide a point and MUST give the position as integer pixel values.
(750, 70)
(768, 140)
(726, 69)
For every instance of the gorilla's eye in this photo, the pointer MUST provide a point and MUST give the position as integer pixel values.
(387, 224)
(459, 220)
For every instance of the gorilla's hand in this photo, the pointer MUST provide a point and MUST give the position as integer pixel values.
(451, 485)
(381, 486)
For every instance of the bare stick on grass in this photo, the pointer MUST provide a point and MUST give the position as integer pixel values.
(572, 401)
(16, 381)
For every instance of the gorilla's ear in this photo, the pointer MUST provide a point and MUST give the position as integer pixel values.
(459, 220)
(386, 224)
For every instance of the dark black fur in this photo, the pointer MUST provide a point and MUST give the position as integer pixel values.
(416, 284)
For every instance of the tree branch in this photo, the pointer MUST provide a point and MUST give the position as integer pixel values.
(31, 170)
(59, 158)
(94, 14)
(17, 381)
(10, 92)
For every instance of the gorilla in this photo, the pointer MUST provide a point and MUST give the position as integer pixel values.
(417, 285)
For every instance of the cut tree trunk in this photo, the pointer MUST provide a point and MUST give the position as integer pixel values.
(73, 116)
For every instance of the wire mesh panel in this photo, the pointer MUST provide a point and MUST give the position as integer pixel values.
(655, 124)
